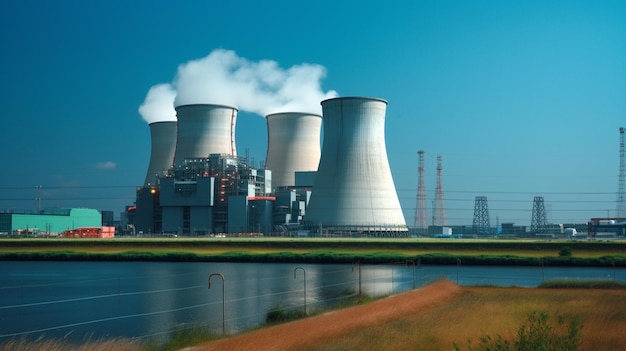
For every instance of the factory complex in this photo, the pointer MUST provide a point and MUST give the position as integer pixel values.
(196, 185)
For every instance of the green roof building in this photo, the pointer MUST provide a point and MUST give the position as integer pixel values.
(49, 221)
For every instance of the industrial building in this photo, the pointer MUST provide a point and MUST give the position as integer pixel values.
(49, 222)
(216, 194)
(598, 228)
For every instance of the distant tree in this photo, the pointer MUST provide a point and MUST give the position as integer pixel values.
(565, 252)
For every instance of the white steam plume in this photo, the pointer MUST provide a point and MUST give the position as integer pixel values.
(262, 87)
(159, 104)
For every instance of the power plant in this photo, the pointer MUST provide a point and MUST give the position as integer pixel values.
(208, 189)
(293, 145)
(354, 192)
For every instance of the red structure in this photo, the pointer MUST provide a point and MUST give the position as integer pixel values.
(97, 232)
(421, 219)
(439, 216)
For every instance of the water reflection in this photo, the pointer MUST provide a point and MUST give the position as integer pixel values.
(150, 299)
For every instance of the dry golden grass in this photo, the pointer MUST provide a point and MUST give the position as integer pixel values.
(60, 345)
(435, 317)
(229, 245)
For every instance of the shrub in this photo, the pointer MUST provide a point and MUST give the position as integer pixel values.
(538, 335)
(565, 252)
(280, 315)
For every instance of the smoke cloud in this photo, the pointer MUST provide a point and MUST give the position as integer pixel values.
(159, 104)
(261, 87)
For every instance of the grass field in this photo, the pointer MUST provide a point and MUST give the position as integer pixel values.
(482, 311)
(471, 313)
(434, 251)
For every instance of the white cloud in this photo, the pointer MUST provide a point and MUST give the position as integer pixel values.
(224, 78)
(106, 165)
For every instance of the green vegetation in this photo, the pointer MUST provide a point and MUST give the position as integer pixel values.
(322, 250)
(280, 314)
(565, 252)
(582, 284)
(538, 335)
(182, 338)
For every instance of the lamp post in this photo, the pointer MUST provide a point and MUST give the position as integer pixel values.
(304, 276)
(359, 264)
(223, 309)
(458, 263)
(407, 262)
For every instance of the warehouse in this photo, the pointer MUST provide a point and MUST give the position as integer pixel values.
(49, 222)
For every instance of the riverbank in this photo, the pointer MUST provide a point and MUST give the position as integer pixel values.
(321, 250)
(439, 315)
(430, 318)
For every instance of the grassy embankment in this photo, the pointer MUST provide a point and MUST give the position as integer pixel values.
(474, 313)
(289, 250)
(492, 311)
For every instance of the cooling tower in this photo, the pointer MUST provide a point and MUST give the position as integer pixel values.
(204, 130)
(293, 145)
(354, 190)
(163, 137)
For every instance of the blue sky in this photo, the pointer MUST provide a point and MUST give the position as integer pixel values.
(521, 98)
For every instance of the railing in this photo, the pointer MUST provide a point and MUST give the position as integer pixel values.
(174, 296)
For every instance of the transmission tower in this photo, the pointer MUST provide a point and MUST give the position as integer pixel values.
(481, 224)
(439, 217)
(421, 219)
(621, 187)
(538, 221)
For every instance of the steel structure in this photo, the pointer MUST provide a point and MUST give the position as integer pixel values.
(354, 192)
(538, 221)
(421, 218)
(621, 187)
(481, 224)
(204, 130)
(439, 211)
(293, 145)
(163, 138)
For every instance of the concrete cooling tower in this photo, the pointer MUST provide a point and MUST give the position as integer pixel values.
(163, 137)
(293, 145)
(204, 130)
(354, 191)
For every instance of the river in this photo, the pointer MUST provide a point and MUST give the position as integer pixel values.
(148, 300)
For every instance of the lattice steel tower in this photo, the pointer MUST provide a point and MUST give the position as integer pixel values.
(621, 187)
(538, 221)
(439, 216)
(421, 218)
(481, 224)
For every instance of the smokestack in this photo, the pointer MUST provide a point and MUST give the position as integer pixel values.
(163, 137)
(205, 129)
(293, 145)
(354, 191)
